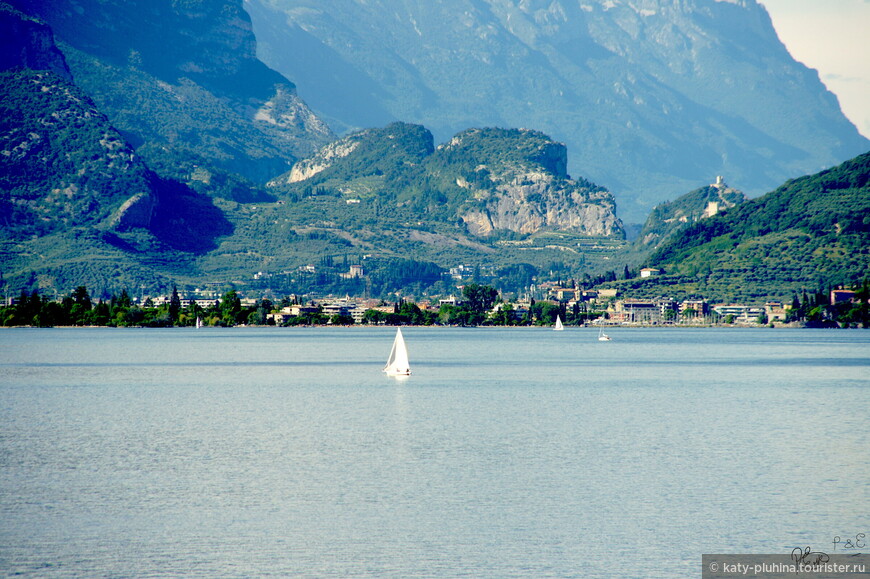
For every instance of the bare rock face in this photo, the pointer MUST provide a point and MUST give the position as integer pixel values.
(286, 118)
(532, 202)
(522, 185)
(324, 159)
(137, 211)
(370, 150)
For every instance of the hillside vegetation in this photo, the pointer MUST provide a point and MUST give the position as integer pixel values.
(488, 182)
(811, 233)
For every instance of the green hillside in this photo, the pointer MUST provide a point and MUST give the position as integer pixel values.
(811, 233)
(64, 164)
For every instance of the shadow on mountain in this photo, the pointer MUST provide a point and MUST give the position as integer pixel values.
(186, 220)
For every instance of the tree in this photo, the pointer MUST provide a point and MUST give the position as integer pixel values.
(259, 314)
(547, 313)
(341, 320)
(374, 317)
(174, 305)
(101, 314)
(504, 316)
(479, 298)
(231, 307)
(79, 306)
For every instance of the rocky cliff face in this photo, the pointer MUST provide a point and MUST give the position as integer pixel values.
(532, 202)
(28, 43)
(525, 187)
(652, 97)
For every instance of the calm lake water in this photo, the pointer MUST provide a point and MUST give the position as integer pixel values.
(508, 453)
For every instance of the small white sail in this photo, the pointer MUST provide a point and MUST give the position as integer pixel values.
(198, 322)
(397, 363)
(559, 327)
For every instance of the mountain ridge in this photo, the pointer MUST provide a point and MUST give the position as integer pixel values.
(650, 96)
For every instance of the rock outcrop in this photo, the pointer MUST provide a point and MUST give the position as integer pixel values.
(491, 180)
(532, 202)
(525, 186)
(28, 43)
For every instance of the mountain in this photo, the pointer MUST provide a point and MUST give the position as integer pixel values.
(491, 181)
(81, 206)
(182, 83)
(667, 219)
(64, 165)
(651, 96)
(126, 166)
(811, 233)
(77, 201)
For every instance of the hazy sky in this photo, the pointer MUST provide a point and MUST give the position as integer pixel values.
(833, 37)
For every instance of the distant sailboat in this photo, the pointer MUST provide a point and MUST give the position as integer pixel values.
(559, 327)
(602, 337)
(198, 322)
(397, 363)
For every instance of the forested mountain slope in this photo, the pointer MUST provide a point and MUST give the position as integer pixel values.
(810, 233)
(182, 83)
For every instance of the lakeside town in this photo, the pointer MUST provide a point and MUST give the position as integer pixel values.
(473, 305)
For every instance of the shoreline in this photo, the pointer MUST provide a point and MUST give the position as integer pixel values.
(790, 326)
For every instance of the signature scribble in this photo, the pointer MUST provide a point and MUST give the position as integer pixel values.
(808, 557)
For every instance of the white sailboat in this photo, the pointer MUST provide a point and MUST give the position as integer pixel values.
(558, 327)
(397, 363)
(198, 322)
(602, 337)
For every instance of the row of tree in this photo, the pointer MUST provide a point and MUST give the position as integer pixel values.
(475, 308)
(78, 309)
(816, 310)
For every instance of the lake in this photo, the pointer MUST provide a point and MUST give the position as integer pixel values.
(277, 452)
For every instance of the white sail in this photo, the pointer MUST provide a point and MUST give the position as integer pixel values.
(559, 327)
(602, 337)
(397, 363)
